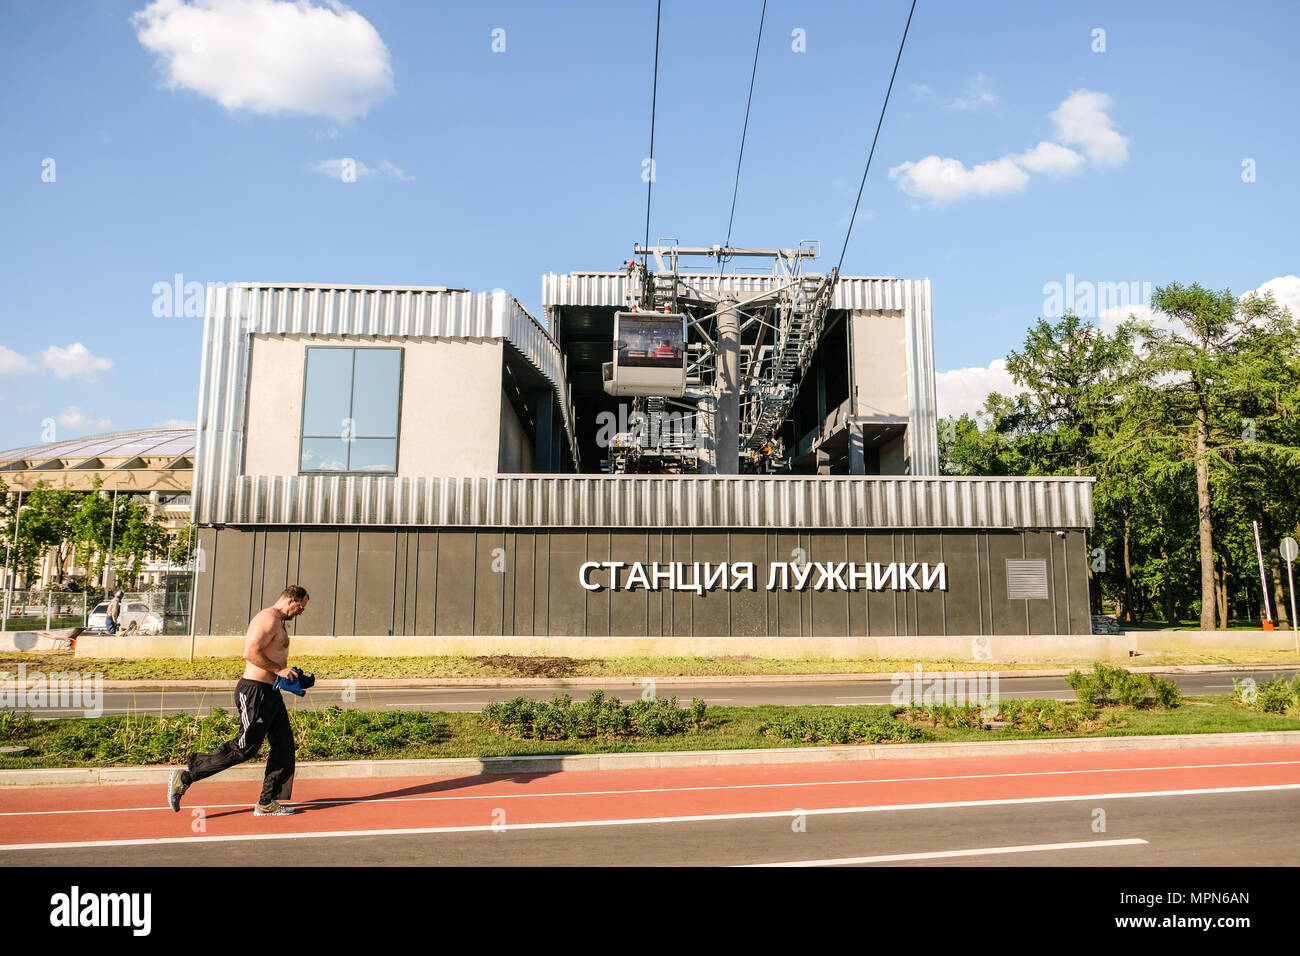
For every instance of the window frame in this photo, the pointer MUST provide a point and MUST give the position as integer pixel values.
(352, 383)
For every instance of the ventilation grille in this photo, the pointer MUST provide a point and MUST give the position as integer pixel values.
(1026, 579)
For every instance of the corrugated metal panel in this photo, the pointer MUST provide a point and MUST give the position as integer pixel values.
(235, 313)
(912, 297)
(546, 501)
(610, 289)
(923, 427)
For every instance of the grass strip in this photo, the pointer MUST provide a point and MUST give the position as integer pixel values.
(338, 667)
(407, 735)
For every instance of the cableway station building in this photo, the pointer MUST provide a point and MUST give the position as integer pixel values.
(672, 460)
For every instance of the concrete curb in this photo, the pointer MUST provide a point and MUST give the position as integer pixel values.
(478, 766)
(561, 682)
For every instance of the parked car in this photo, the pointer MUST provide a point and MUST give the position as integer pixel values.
(136, 618)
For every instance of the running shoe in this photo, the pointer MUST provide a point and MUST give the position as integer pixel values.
(176, 787)
(272, 809)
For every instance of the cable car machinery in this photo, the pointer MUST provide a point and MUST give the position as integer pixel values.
(743, 361)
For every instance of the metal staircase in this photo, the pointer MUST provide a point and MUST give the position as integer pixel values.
(801, 318)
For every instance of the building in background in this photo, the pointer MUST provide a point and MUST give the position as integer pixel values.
(152, 465)
(430, 464)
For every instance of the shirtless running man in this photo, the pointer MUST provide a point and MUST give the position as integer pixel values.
(262, 713)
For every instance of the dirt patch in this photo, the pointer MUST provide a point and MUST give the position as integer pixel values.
(54, 660)
(511, 666)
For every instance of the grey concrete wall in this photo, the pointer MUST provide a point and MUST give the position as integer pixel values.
(502, 582)
(515, 455)
(880, 365)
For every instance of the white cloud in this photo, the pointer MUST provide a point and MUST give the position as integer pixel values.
(1286, 290)
(963, 390)
(1081, 120)
(75, 361)
(390, 169)
(348, 169)
(269, 57)
(1051, 159)
(944, 180)
(12, 363)
(921, 90)
(1109, 319)
(339, 168)
(75, 419)
(976, 94)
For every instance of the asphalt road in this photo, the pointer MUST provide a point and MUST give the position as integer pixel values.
(473, 699)
(1212, 807)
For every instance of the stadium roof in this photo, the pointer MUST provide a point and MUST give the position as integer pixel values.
(147, 459)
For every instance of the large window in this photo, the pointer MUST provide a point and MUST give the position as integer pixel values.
(350, 410)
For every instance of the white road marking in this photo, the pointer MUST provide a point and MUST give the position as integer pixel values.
(949, 854)
(330, 801)
(636, 821)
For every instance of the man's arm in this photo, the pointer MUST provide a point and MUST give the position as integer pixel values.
(260, 634)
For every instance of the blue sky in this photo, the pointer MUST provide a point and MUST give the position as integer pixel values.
(185, 141)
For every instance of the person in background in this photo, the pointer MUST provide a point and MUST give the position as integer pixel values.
(114, 613)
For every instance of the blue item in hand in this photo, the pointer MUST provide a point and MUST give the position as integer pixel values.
(298, 685)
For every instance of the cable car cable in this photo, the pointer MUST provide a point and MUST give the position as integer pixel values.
(654, 99)
(762, 16)
(880, 123)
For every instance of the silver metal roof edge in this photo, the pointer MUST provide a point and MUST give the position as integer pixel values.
(714, 502)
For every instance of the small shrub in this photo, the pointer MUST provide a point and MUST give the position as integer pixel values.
(332, 733)
(1277, 696)
(843, 727)
(16, 725)
(598, 716)
(1110, 686)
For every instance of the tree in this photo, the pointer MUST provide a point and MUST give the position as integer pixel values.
(92, 530)
(1218, 352)
(139, 537)
(966, 447)
(1072, 375)
(182, 546)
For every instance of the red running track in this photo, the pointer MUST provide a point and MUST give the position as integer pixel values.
(95, 814)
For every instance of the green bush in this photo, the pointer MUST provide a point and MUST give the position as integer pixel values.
(1276, 696)
(1110, 686)
(16, 725)
(945, 715)
(843, 727)
(332, 733)
(598, 716)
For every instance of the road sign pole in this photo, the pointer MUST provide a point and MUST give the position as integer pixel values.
(1290, 578)
(1289, 550)
(1263, 581)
